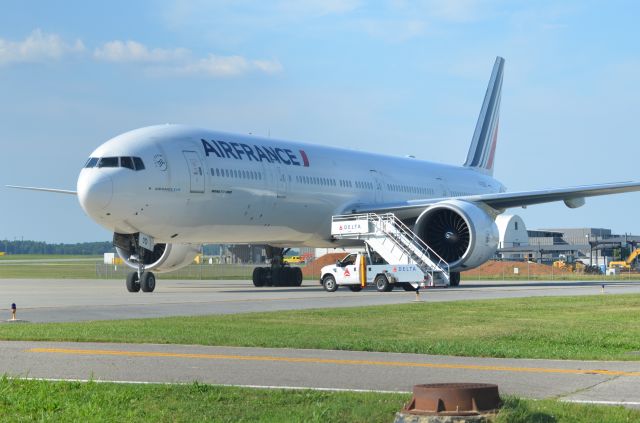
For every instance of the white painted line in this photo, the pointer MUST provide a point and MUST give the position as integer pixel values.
(137, 382)
(291, 388)
(636, 403)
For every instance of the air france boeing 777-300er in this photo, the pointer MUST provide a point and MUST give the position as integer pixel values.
(165, 190)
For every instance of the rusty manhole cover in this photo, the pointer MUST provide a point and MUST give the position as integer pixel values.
(459, 399)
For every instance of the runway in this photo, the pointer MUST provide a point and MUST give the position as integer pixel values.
(65, 300)
(581, 381)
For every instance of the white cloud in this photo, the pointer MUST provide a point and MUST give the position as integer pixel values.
(318, 7)
(133, 51)
(455, 10)
(180, 61)
(38, 47)
(41, 47)
(226, 66)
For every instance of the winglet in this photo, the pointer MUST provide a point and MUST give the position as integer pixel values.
(483, 144)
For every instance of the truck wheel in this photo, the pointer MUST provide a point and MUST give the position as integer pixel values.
(329, 283)
(382, 284)
(355, 288)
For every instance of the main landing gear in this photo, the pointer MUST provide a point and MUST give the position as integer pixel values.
(279, 273)
(454, 278)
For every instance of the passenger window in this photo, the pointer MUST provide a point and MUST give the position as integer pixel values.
(127, 162)
(137, 161)
(108, 162)
(91, 162)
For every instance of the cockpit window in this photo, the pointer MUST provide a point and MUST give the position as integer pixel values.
(91, 162)
(138, 162)
(109, 162)
(127, 162)
(133, 163)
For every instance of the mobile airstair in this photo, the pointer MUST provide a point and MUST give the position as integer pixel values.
(394, 241)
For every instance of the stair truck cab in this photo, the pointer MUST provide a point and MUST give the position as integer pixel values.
(357, 270)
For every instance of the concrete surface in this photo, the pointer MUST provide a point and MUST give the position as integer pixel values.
(61, 300)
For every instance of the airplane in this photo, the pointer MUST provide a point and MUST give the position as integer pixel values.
(165, 190)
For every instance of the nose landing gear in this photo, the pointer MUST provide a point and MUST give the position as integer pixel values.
(142, 279)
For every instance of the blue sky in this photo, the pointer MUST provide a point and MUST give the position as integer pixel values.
(395, 77)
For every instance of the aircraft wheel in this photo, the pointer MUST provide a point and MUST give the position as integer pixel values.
(258, 277)
(286, 276)
(408, 287)
(329, 283)
(355, 288)
(382, 284)
(133, 284)
(454, 278)
(297, 276)
(147, 281)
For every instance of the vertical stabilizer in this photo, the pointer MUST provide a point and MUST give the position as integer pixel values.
(483, 145)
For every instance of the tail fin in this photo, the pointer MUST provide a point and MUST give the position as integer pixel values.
(485, 137)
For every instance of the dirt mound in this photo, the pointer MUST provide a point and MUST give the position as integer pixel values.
(506, 268)
(313, 269)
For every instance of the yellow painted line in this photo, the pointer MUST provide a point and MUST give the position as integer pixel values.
(334, 361)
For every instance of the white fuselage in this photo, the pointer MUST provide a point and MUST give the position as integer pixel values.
(201, 186)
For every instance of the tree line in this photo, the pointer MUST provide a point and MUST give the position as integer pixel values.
(38, 247)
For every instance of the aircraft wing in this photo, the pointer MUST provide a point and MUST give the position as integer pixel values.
(54, 190)
(573, 197)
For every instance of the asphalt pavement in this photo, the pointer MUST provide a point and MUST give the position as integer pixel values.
(601, 382)
(66, 300)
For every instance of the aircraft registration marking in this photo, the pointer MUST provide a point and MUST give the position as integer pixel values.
(333, 361)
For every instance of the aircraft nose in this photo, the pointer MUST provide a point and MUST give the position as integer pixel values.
(95, 191)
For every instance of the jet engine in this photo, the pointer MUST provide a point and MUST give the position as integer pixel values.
(163, 258)
(462, 233)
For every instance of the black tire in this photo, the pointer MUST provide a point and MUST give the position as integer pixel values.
(133, 284)
(258, 277)
(382, 284)
(355, 288)
(287, 276)
(454, 278)
(147, 281)
(408, 287)
(329, 283)
(297, 276)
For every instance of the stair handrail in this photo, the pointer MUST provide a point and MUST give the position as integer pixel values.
(406, 235)
(412, 238)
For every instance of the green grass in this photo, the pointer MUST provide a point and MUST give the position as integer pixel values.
(68, 401)
(9, 257)
(22, 400)
(603, 327)
(83, 269)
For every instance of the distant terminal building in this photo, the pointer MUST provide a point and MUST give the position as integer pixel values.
(595, 246)
(245, 253)
(512, 233)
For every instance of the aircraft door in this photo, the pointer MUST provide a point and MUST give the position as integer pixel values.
(282, 183)
(377, 186)
(196, 171)
(441, 183)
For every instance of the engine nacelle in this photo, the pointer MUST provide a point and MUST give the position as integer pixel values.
(462, 233)
(164, 258)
